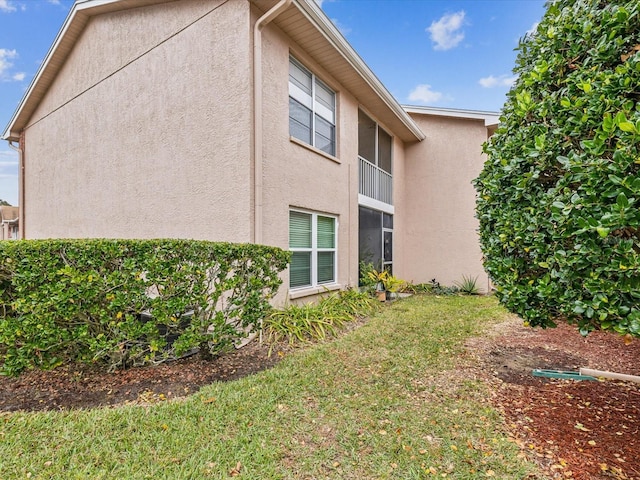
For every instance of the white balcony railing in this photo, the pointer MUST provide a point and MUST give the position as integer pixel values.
(374, 182)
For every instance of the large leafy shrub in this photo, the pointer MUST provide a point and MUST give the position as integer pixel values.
(129, 302)
(559, 195)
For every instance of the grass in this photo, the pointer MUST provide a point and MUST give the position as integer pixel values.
(382, 401)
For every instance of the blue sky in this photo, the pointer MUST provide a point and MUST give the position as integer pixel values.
(444, 53)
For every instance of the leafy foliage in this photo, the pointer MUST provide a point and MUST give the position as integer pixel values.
(315, 321)
(558, 196)
(129, 302)
(368, 281)
(4, 202)
(468, 285)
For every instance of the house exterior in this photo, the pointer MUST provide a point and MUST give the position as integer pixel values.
(245, 121)
(9, 217)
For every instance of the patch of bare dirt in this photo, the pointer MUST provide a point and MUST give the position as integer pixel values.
(80, 386)
(578, 430)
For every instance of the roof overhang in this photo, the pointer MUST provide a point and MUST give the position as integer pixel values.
(304, 21)
(307, 25)
(490, 118)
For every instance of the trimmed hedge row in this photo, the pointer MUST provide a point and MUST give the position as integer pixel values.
(129, 302)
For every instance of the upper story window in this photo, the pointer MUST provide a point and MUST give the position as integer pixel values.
(374, 144)
(312, 109)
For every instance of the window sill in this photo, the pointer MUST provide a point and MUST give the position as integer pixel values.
(314, 149)
(307, 291)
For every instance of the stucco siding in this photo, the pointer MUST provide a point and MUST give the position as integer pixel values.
(146, 132)
(438, 231)
(297, 176)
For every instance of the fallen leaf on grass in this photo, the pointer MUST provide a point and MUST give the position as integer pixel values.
(234, 472)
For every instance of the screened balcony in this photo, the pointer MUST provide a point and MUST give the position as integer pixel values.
(374, 182)
(375, 179)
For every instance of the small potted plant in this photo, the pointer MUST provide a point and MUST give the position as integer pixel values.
(380, 277)
(391, 286)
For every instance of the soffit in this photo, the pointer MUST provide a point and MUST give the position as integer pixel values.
(306, 24)
(489, 118)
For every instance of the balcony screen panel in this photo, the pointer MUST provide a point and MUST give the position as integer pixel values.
(370, 237)
(387, 221)
(384, 150)
(299, 230)
(326, 267)
(366, 137)
(388, 246)
(300, 121)
(300, 269)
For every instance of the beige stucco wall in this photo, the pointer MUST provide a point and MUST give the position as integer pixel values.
(298, 176)
(436, 234)
(147, 135)
(153, 137)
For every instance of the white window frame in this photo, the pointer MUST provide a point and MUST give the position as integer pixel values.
(314, 250)
(314, 105)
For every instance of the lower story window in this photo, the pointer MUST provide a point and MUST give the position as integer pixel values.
(312, 241)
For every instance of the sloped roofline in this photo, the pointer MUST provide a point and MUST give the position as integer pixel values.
(317, 16)
(490, 118)
(71, 29)
(82, 10)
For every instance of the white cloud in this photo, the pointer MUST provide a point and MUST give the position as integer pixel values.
(5, 56)
(6, 6)
(446, 33)
(500, 81)
(424, 94)
(54, 2)
(18, 77)
(533, 29)
(343, 28)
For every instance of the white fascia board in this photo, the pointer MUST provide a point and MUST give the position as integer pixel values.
(315, 15)
(374, 204)
(490, 118)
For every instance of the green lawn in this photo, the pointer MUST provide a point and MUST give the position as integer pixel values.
(383, 401)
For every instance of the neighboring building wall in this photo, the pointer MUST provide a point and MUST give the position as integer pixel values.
(160, 148)
(438, 237)
(9, 222)
(299, 176)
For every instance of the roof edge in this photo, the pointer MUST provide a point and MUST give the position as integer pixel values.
(80, 11)
(315, 14)
(490, 118)
(8, 133)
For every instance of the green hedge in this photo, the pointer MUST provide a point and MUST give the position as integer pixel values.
(129, 302)
(558, 197)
